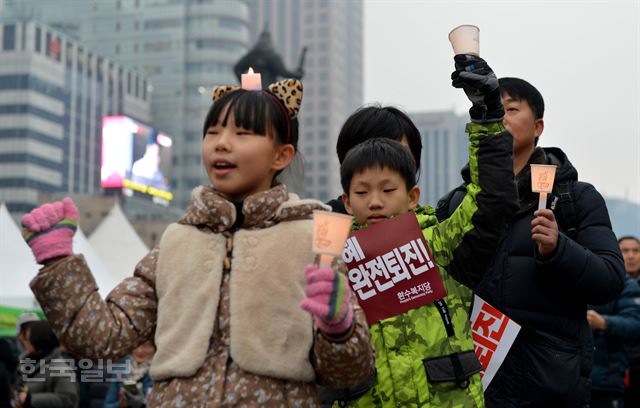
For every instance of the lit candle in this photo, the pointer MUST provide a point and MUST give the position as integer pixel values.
(251, 81)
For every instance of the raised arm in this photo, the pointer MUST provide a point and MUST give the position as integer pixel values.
(67, 292)
(467, 240)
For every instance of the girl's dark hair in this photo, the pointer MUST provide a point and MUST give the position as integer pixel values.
(380, 153)
(42, 337)
(257, 111)
(374, 121)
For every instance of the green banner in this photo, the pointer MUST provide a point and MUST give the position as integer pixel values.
(9, 316)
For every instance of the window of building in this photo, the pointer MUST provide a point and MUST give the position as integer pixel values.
(309, 181)
(9, 37)
(323, 150)
(323, 195)
(99, 69)
(324, 75)
(308, 136)
(69, 53)
(323, 180)
(38, 39)
(323, 165)
(308, 166)
(159, 24)
(117, 26)
(323, 120)
(230, 23)
(157, 46)
(89, 65)
(24, 36)
(129, 83)
(323, 135)
(80, 60)
(117, 49)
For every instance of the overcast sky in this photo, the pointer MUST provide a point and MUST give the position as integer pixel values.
(583, 56)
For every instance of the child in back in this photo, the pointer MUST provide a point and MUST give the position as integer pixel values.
(221, 294)
(425, 356)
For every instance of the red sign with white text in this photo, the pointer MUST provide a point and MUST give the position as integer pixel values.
(493, 335)
(391, 269)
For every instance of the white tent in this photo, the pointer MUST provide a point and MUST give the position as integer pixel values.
(105, 279)
(18, 266)
(118, 244)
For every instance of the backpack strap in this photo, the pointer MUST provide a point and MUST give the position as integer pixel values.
(567, 211)
(449, 202)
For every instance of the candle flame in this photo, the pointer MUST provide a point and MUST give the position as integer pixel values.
(250, 71)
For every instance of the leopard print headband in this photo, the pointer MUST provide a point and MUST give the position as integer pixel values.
(288, 92)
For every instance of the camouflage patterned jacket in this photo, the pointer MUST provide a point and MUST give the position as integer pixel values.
(424, 357)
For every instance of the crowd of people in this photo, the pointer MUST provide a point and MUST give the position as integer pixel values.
(227, 311)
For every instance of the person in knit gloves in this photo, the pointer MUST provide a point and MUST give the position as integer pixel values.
(425, 356)
(550, 264)
(225, 294)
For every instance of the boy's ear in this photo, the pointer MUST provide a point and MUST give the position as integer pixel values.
(284, 156)
(539, 127)
(414, 197)
(347, 203)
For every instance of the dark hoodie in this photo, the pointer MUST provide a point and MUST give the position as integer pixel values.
(550, 361)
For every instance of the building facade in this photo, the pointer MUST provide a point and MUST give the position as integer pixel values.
(185, 48)
(444, 153)
(332, 32)
(54, 92)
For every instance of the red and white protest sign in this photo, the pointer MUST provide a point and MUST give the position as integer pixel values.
(390, 268)
(493, 335)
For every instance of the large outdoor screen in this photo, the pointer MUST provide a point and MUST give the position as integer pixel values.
(135, 158)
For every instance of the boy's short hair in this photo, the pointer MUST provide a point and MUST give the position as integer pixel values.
(375, 121)
(521, 90)
(381, 153)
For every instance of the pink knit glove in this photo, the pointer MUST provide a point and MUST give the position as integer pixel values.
(328, 300)
(49, 229)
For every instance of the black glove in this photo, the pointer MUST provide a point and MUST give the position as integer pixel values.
(135, 399)
(478, 81)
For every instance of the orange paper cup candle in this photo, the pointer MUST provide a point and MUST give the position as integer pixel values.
(542, 176)
(251, 81)
(330, 231)
(465, 39)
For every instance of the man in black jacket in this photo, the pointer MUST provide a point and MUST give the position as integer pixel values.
(544, 275)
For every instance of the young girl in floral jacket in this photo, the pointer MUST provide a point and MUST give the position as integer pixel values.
(236, 317)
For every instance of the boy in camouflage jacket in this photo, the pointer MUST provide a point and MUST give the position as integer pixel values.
(425, 357)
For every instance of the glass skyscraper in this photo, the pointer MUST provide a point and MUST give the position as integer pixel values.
(54, 91)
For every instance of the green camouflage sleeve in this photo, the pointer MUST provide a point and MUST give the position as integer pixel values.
(474, 229)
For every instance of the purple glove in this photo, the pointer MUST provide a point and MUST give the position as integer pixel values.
(328, 300)
(49, 229)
